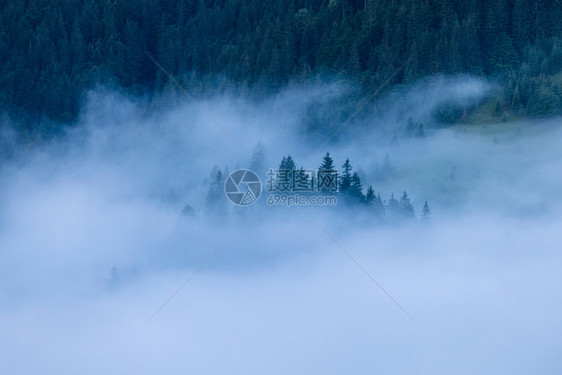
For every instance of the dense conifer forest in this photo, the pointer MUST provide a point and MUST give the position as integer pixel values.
(51, 51)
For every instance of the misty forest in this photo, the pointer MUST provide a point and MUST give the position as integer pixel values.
(280, 186)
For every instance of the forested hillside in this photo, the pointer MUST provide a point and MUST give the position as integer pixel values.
(51, 50)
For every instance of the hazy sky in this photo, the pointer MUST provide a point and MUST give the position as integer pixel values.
(92, 243)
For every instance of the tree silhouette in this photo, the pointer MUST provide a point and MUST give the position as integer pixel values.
(426, 212)
(406, 208)
(345, 179)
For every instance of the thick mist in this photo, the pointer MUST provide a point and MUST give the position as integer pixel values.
(93, 242)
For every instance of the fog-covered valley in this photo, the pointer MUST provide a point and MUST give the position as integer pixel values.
(103, 271)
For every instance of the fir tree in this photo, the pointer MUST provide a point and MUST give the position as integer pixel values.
(345, 179)
(421, 132)
(370, 196)
(286, 171)
(283, 164)
(329, 175)
(216, 203)
(288, 164)
(356, 188)
(378, 207)
(392, 208)
(426, 213)
(406, 208)
(327, 163)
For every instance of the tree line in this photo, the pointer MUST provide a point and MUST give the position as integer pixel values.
(348, 189)
(53, 50)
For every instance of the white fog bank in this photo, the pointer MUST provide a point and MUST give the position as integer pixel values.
(93, 242)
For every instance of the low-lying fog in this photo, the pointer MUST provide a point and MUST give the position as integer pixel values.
(93, 242)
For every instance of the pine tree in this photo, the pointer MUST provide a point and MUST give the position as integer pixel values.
(286, 171)
(345, 179)
(356, 188)
(327, 163)
(216, 203)
(378, 207)
(426, 213)
(392, 208)
(406, 208)
(421, 132)
(370, 196)
(287, 163)
(329, 176)
(283, 163)
(290, 163)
